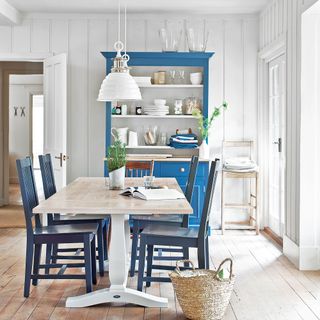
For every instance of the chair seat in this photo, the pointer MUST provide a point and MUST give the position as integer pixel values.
(158, 218)
(169, 231)
(67, 229)
(65, 217)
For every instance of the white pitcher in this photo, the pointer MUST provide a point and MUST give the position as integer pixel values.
(122, 134)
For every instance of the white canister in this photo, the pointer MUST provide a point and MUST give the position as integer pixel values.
(133, 139)
(124, 109)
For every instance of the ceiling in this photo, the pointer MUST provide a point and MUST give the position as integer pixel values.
(139, 6)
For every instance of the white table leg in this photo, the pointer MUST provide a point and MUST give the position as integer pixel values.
(118, 274)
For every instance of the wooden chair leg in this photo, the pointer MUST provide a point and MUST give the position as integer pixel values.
(207, 253)
(105, 239)
(201, 255)
(186, 256)
(36, 262)
(134, 247)
(142, 258)
(27, 277)
(48, 256)
(149, 263)
(100, 249)
(94, 261)
(54, 252)
(88, 264)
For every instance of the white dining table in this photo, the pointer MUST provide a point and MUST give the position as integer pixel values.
(91, 196)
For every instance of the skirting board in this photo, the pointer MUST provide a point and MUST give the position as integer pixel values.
(304, 258)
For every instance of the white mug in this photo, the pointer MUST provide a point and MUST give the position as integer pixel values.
(133, 139)
(122, 134)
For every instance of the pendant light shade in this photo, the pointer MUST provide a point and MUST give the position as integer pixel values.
(119, 86)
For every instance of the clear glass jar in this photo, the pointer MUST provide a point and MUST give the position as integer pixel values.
(197, 35)
(190, 104)
(170, 36)
(151, 135)
(163, 139)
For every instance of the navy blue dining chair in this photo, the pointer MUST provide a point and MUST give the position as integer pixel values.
(39, 235)
(53, 250)
(168, 235)
(140, 222)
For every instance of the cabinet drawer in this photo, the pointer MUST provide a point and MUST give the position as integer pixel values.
(180, 169)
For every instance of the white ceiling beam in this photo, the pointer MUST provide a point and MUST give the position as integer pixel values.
(9, 14)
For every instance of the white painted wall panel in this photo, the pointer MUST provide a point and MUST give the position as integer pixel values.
(5, 36)
(40, 35)
(59, 36)
(96, 110)
(78, 98)
(21, 37)
(234, 77)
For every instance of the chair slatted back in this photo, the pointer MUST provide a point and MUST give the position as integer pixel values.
(28, 192)
(208, 198)
(190, 186)
(48, 182)
(136, 169)
(49, 186)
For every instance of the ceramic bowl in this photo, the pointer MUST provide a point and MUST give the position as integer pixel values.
(196, 78)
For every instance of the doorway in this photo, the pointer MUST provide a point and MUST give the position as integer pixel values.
(276, 143)
(54, 70)
(26, 121)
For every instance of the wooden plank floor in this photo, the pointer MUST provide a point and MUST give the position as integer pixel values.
(267, 286)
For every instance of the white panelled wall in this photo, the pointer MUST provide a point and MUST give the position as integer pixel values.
(280, 23)
(236, 39)
(233, 75)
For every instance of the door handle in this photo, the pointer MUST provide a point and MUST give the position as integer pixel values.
(279, 143)
(61, 158)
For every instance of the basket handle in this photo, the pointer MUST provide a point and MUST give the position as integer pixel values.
(178, 268)
(222, 263)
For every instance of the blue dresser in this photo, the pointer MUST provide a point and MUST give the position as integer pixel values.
(145, 64)
(180, 170)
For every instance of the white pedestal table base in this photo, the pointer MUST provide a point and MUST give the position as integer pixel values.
(118, 274)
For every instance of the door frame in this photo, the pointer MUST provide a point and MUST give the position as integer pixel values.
(265, 56)
(28, 57)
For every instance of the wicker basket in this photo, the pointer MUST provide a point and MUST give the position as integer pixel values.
(201, 294)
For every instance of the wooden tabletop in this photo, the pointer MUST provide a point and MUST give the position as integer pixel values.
(92, 196)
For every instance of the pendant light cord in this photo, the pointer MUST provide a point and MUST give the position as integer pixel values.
(119, 21)
(125, 29)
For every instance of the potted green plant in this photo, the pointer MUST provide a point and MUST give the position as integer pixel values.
(117, 158)
(205, 125)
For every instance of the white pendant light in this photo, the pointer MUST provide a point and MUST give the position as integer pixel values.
(119, 84)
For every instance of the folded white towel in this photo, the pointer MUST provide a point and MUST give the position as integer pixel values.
(239, 163)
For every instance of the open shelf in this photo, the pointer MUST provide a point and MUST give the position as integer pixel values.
(169, 116)
(170, 86)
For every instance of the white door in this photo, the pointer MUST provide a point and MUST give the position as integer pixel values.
(277, 127)
(55, 115)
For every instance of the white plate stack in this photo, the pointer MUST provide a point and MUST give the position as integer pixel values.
(158, 109)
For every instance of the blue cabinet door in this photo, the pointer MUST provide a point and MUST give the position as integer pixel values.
(180, 171)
